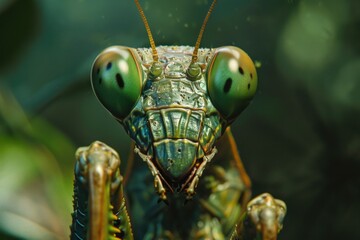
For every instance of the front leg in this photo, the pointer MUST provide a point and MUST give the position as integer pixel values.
(99, 205)
(263, 219)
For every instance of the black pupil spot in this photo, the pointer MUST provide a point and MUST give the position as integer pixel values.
(241, 71)
(98, 71)
(227, 85)
(108, 66)
(248, 85)
(251, 75)
(119, 80)
(179, 150)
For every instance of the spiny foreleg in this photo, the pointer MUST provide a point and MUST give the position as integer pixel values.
(263, 219)
(99, 205)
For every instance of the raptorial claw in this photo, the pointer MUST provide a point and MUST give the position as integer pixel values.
(98, 193)
(267, 214)
(97, 153)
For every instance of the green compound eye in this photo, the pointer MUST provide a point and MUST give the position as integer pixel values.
(116, 78)
(231, 81)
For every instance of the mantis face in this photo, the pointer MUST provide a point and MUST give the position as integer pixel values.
(174, 110)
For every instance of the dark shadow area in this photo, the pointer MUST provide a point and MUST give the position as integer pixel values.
(19, 24)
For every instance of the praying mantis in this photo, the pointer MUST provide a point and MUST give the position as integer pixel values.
(177, 104)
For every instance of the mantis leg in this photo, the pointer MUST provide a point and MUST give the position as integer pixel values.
(223, 193)
(260, 218)
(99, 204)
(263, 219)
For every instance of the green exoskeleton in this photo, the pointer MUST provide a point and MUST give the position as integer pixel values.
(176, 103)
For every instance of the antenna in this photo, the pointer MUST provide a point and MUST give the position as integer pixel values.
(202, 29)
(152, 43)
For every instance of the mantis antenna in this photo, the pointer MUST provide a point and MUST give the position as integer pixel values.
(202, 29)
(152, 43)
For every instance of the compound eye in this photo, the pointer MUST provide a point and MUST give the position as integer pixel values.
(116, 78)
(231, 81)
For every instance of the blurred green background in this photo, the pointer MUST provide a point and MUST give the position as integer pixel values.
(299, 139)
